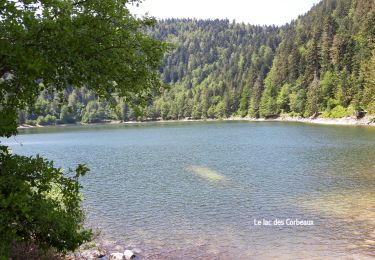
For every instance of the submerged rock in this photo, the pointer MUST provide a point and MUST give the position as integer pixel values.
(137, 251)
(101, 253)
(119, 248)
(116, 256)
(370, 242)
(128, 254)
(92, 254)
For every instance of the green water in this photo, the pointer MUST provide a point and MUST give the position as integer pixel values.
(193, 190)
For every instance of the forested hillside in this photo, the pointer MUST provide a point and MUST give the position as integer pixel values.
(323, 64)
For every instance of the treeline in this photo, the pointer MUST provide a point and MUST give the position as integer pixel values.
(323, 64)
(78, 105)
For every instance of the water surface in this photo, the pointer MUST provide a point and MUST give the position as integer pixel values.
(193, 190)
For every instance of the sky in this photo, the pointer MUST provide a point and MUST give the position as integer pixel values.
(255, 12)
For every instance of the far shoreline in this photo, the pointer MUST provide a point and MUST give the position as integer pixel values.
(345, 121)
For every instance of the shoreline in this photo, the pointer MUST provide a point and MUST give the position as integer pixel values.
(345, 121)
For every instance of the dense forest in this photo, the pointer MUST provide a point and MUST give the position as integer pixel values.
(321, 64)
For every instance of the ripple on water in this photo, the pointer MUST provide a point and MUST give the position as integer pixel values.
(192, 190)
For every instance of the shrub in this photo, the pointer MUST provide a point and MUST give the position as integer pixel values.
(339, 111)
(39, 204)
(47, 120)
(40, 120)
(30, 122)
(294, 114)
(371, 108)
(325, 114)
(331, 103)
(50, 120)
(66, 116)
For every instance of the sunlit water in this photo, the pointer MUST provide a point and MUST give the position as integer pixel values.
(193, 190)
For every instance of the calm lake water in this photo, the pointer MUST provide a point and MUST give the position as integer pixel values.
(194, 190)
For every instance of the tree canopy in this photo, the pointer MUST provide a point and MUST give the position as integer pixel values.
(52, 45)
(47, 47)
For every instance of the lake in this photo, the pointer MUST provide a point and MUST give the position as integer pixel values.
(223, 190)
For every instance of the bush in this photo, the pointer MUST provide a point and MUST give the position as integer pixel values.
(371, 108)
(294, 114)
(51, 120)
(47, 120)
(339, 111)
(331, 103)
(40, 120)
(66, 116)
(325, 114)
(39, 205)
(30, 122)
(90, 117)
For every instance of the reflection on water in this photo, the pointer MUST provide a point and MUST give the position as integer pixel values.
(193, 190)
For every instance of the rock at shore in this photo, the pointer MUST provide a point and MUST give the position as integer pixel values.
(116, 256)
(128, 254)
